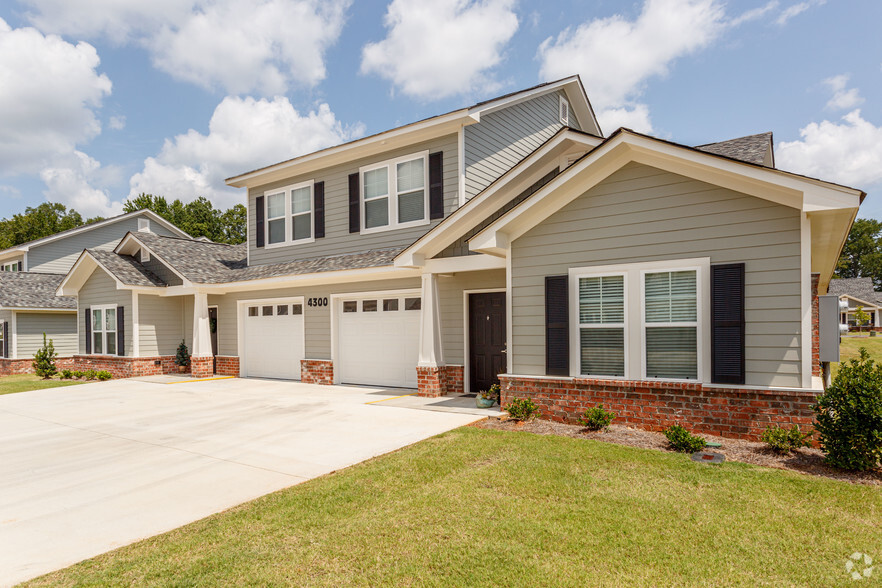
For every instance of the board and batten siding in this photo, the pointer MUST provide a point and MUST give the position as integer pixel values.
(641, 214)
(160, 325)
(57, 257)
(100, 289)
(453, 310)
(338, 239)
(505, 137)
(60, 327)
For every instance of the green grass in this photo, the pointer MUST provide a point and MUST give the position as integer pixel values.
(477, 507)
(27, 382)
(850, 349)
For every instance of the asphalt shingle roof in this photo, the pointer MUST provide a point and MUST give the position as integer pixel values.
(861, 288)
(126, 268)
(751, 148)
(32, 290)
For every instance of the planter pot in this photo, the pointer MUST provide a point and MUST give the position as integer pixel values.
(484, 402)
(182, 369)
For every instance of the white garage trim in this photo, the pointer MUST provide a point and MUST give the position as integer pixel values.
(241, 309)
(337, 300)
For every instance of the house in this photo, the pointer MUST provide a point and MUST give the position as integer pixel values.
(31, 273)
(509, 242)
(858, 293)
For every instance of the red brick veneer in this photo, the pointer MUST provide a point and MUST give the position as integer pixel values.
(451, 378)
(439, 381)
(317, 371)
(727, 412)
(227, 365)
(9, 367)
(202, 367)
(127, 367)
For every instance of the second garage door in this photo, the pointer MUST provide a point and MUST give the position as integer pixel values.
(273, 338)
(378, 340)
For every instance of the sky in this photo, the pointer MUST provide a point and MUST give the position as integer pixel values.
(101, 100)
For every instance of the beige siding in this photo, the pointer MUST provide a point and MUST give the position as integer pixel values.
(100, 289)
(452, 302)
(337, 237)
(160, 324)
(5, 316)
(645, 214)
(60, 327)
(15, 259)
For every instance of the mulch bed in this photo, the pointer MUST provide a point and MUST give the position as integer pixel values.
(805, 461)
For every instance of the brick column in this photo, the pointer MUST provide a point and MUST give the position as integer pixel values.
(816, 338)
(317, 371)
(201, 367)
(430, 381)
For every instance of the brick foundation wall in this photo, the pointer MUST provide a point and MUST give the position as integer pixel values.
(430, 381)
(816, 338)
(317, 371)
(202, 367)
(227, 365)
(126, 367)
(9, 367)
(451, 379)
(727, 412)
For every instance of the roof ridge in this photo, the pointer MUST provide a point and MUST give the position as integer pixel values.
(763, 134)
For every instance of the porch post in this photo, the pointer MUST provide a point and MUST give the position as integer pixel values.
(431, 360)
(201, 354)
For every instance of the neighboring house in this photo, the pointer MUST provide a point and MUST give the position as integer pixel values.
(858, 292)
(31, 273)
(508, 241)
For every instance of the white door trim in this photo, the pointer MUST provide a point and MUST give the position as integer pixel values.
(240, 323)
(466, 374)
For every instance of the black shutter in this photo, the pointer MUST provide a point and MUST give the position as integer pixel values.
(727, 324)
(260, 213)
(88, 331)
(319, 203)
(354, 204)
(120, 330)
(436, 185)
(557, 327)
(19, 266)
(5, 349)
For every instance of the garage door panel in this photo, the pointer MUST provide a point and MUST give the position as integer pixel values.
(273, 340)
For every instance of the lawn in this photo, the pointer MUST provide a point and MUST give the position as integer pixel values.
(26, 382)
(476, 507)
(850, 349)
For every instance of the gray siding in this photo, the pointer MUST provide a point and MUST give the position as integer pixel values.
(337, 238)
(100, 289)
(505, 137)
(645, 214)
(60, 327)
(453, 312)
(162, 271)
(59, 256)
(160, 325)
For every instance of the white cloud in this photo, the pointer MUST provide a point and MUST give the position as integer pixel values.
(616, 56)
(70, 182)
(117, 123)
(848, 152)
(204, 41)
(754, 14)
(797, 9)
(244, 134)
(437, 49)
(635, 117)
(844, 98)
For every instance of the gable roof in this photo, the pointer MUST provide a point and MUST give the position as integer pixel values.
(432, 127)
(22, 290)
(126, 268)
(860, 288)
(756, 149)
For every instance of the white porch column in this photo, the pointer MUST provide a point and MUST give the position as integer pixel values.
(201, 328)
(430, 324)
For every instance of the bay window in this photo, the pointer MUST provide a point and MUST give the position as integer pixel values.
(394, 193)
(289, 213)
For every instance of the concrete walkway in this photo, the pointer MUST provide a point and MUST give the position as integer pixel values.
(89, 468)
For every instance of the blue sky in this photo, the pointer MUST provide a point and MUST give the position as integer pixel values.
(100, 100)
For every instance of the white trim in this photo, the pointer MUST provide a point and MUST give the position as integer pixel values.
(509, 314)
(136, 327)
(562, 104)
(805, 292)
(103, 308)
(575, 327)
(864, 303)
(35, 309)
(466, 366)
(288, 214)
(24, 264)
(240, 323)
(460, 136)
(13, 335)
(463, 263)
(392, 196)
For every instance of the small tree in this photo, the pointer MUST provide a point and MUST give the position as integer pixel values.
(182, 357)
(861, 318)
(44, 360)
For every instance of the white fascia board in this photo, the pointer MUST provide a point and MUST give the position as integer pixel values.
(863, 302)
(27, 309)
(314, 279)
(463, 263)
(77, 275)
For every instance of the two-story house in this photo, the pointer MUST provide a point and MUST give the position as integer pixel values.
(507, 241)
(31, 273)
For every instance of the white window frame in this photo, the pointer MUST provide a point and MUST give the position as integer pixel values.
(563, 111)
(9, 267)
(697, 323)
(576, 334)
(288, 215)
(103, 308)
(635, 347)
(391, 166)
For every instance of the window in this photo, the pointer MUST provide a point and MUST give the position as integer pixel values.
(602, 325)
(413, 303)
(252, 311)
(350, 306)
(296, 309)
(394, 193)
(282, 310)
(564, 111)
(104, 330)
(671, 324)
(267, 311)
(294, 203)
(390, 304)
(369, 306)
(10, 267)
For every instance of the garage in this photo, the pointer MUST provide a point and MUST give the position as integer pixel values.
(378, 339)
(272, 338)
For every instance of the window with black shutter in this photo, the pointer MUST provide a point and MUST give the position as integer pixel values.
(319, 198)
(436, 185)
(260, 213)
(727, 324)
(557, 335)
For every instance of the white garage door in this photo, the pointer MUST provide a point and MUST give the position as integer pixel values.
(378, 340)
(273, 338)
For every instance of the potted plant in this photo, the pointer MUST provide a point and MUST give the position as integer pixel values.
(182, 358)
(487, 398)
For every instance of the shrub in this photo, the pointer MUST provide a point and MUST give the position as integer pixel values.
(182, 357)
(66, 374)
(491, 394)
(682, 440)
(78, 374)
(784, 440)
(104, 375)
(522, 409)
(44, 360)
(849, 415)
(90, 374)
(595, 418)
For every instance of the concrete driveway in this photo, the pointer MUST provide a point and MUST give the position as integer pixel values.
(89, 468)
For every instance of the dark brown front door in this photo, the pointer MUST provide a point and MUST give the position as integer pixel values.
(212, 325)
(486, 339)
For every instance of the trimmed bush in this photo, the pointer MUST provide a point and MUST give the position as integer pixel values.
(78, 374)
(849, 415)
(595, 418)
(90, 374)
(103, 375)
(66, 374)
(682, 440)
(783, 440)
(44, 360)
(522, 409)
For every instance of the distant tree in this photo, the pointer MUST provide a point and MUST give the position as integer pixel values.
(234, 221)
(199, 217)
(861, 318)
(40, 221)
(862, 254)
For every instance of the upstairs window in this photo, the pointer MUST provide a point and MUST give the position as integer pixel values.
(289, 213)
(394, 194)
(10, 267)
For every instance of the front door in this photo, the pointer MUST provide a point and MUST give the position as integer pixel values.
(486, 339)
(212, 325)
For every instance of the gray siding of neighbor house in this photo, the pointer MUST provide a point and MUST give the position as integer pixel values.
(505, 137)
(160, 325)
(57, 257)
(317, 320)
(60, 327)
(644, 214)
(338, 239)
(100, 289)
(453, 309)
